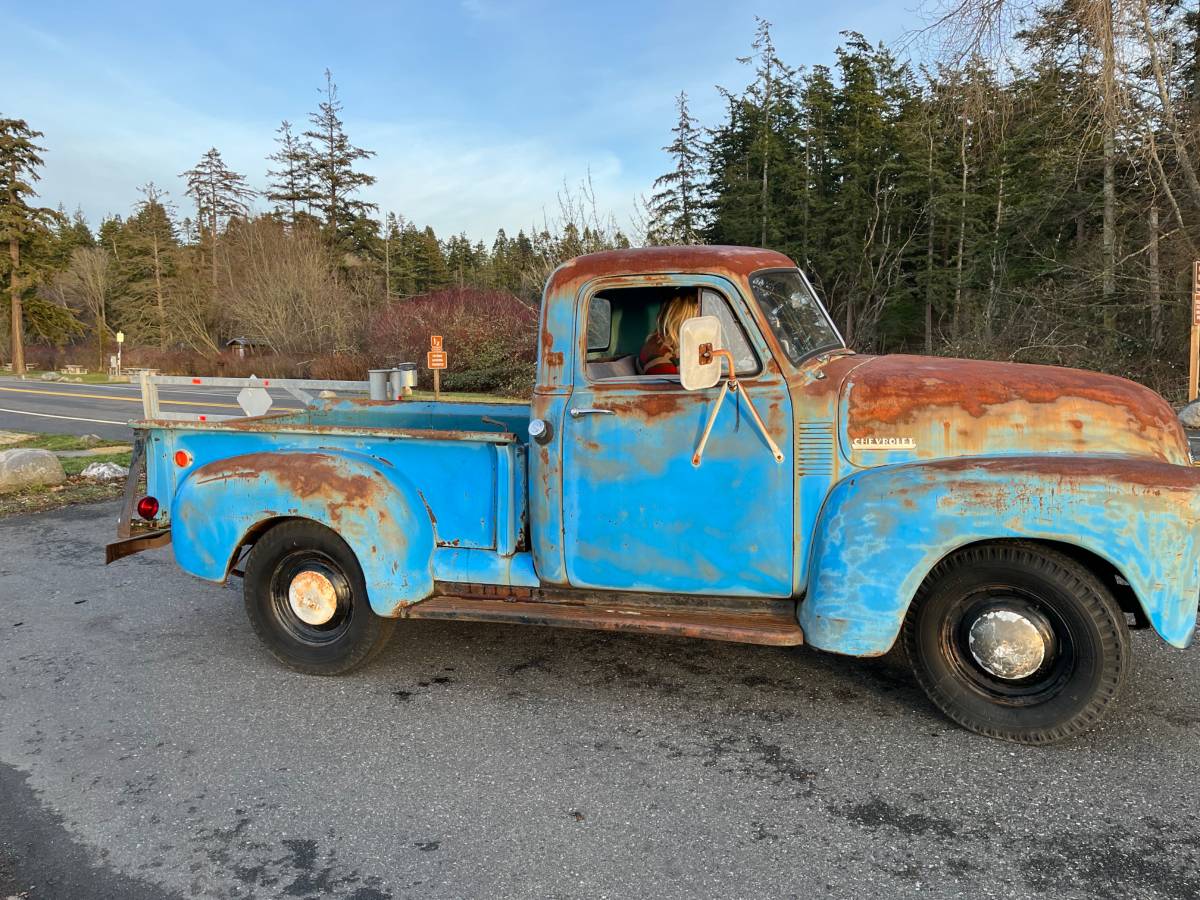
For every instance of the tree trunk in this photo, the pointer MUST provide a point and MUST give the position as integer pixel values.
(101, 327)
(1168, 108)
(806, 201)
(989, 312)
(1155, 282)
(158, 296)
(929, 257)
(212, 245)
(1109, 102)
(766, 152)
(17, 324)
(962, 233)
(1165, 184)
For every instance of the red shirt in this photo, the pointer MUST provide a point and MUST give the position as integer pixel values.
(656, 358)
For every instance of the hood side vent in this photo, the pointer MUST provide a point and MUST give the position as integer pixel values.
(814, 448)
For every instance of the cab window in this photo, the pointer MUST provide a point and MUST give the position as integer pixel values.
(622, 332)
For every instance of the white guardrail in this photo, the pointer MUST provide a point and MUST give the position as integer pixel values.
(254, 397)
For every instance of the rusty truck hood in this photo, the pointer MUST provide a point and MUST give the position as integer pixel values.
(897, 408)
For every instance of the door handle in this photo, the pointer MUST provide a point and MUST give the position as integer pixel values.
(577, 411)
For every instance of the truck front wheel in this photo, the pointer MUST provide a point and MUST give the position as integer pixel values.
(307, 600)
(1018, 642)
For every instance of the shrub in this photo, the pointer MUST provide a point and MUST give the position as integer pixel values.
(489, 337)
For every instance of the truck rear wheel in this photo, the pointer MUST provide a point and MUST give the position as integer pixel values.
(1017, 642)
(307, 600)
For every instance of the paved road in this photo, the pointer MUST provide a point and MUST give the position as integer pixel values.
(104, 409)
(149, 749)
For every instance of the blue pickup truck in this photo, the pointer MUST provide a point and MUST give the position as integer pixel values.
(1008, 524)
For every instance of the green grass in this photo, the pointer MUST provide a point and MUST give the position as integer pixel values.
(58, 442)
(71, 493)
(465, 397)
(75, 490)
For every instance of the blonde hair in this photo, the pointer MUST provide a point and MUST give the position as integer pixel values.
(674, 313)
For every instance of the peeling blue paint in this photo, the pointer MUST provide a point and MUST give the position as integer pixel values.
(883, 530)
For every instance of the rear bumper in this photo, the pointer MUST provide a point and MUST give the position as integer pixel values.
(136, 544)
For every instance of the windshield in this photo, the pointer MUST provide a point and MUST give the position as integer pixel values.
(794, 313)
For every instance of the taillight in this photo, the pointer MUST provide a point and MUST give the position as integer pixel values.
(147, 507)
(183, 459)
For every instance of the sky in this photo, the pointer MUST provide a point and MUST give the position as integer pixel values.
(479, 111)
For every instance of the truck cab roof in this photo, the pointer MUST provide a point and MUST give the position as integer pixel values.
(714, 260)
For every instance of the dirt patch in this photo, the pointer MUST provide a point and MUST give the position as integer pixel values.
(73, 491)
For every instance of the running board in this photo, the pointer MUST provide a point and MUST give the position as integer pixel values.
(773, 626)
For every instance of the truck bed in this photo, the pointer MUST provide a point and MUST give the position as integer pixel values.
(466, 459)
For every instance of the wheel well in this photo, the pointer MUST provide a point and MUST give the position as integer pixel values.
(251, 537)
(1110, 576)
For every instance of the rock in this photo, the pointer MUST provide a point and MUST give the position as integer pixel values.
(51, 376)
(1190, 415)
(104, 471)
(21, 468)
(91, 439)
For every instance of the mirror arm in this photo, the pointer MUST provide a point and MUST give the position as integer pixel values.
(712, 417)
(762, 428)
(707, 356)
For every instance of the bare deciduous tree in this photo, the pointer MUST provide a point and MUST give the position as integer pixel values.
(283, 293)
(87, 286)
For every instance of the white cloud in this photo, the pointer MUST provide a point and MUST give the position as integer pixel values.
(455, 179)
(108, 131)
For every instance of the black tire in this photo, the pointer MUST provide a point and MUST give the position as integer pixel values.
(353, 635)
(1081, 632)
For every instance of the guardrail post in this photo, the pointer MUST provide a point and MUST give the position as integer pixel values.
(149, 395)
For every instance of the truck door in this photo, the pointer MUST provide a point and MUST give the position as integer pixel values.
(637, 515)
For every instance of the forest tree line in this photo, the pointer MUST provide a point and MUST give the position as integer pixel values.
(1032, 195)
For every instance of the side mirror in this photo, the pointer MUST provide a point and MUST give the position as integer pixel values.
(696, 374)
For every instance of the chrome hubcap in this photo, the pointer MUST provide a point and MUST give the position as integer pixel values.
(1009, 644)
(312, 598)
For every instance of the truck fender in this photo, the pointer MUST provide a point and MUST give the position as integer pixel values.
(374, 508)
(883, 530)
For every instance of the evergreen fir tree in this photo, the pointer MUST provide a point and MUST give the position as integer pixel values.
(676, 205)
(330, 170)
(22, 227)
(290, 188)
(219, 194)
(148, 266)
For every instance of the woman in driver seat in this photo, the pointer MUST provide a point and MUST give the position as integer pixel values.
(660, 352)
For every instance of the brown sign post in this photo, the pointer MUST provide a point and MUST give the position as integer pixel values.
(435, 359)
(1194, 353)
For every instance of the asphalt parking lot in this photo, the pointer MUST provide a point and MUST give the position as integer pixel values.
(149, 749)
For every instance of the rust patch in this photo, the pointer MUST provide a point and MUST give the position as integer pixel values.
(1143, 472)
(303, 474)
(898, 389)
(650, 405)
(554, 358)
(696, 622)
(835, 372)
(731, 262)
(429, 510)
